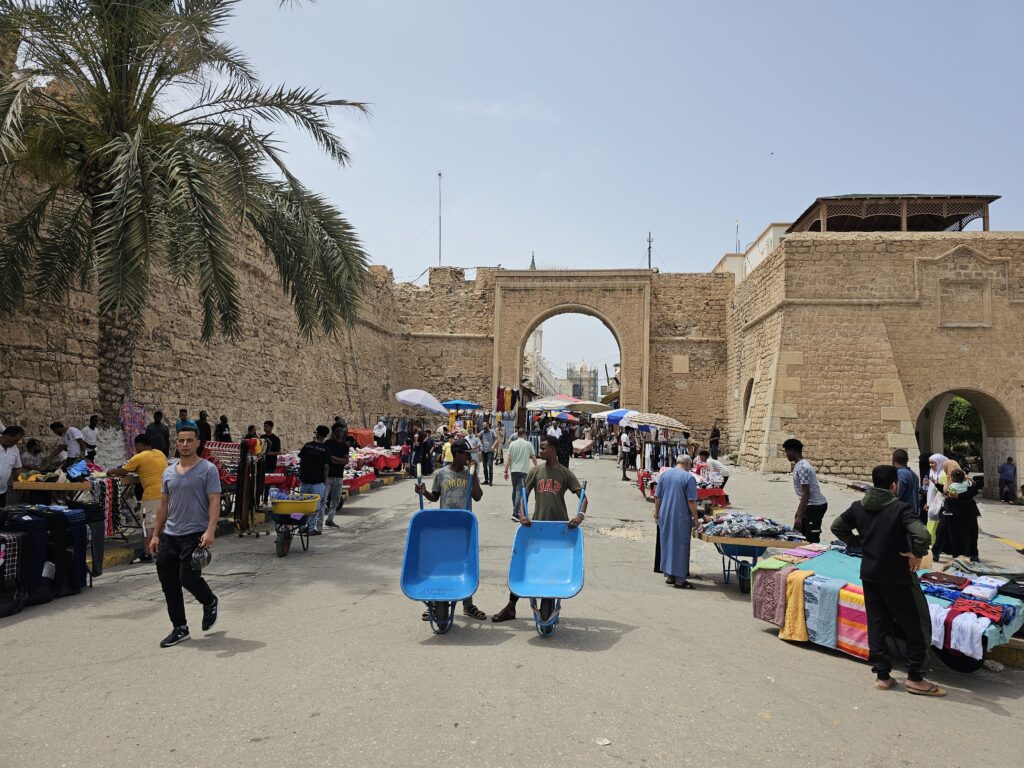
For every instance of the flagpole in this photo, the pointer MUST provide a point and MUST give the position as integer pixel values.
(439, 218)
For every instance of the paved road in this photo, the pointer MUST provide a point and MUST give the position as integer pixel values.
(318, 660)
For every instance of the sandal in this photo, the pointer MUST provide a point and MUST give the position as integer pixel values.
(505, 614)
(934, 690)
(684, 585)
(885, 685)
(473, 612)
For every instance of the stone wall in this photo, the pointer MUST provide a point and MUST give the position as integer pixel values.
(688, 352)
(848, 337)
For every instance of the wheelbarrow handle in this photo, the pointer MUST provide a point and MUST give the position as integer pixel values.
(526, 510)
(583, 495)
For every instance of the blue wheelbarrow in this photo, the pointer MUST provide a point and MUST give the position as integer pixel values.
(441, 565)
(547, 568)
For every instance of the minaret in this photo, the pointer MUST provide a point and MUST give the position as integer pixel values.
(533, 262)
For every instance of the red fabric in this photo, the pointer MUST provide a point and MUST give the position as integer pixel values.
(989, 611)
(718, 496)
(363, 437)
(358, 482)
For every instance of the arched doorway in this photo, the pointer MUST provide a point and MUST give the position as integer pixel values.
(970, 426)
(571, 350)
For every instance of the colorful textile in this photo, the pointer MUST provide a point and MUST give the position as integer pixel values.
(791, 558)
(770, 595)
(990, 611)
(946, 594)
(982, 591)
(852, 624)
(133, 423)
(945, 579)
(795, 625)
(803, 552)
(769, 564)
(821, 609)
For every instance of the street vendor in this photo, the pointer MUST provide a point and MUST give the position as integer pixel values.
(452, 484)
(149, 464)
(10, 459)
(812, 506)
(550, 480)
(33, 457)
(709, 466)
(70, 441)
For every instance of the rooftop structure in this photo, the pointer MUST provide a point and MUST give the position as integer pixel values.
(894, 213)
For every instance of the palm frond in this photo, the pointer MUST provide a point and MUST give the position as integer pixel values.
(12, 100)
(306, 108)
(122, 227)
(193, 199)
(65, 253)
(18, 250)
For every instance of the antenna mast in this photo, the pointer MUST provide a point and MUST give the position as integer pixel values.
(650, 241)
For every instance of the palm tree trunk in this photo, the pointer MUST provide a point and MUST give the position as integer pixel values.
(116, 354)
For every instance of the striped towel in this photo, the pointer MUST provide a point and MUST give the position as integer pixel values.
(852, 626)
(821, 609)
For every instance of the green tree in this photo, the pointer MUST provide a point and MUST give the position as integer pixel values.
(961, 425)
(149, 139)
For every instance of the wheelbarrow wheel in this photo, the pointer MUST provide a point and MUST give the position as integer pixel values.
(743, 576)
(283, 543)
(442, 616)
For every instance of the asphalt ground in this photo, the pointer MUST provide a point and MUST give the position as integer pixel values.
(319, 660)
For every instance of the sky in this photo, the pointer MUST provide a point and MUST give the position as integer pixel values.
(574, 128)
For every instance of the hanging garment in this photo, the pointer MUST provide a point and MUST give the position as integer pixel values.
(770, 594)
(966, 633)
(794, 626)
(821, 609)
(133, 423)
(938, 615)
(513, 401)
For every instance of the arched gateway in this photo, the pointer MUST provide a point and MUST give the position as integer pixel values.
(620, 300)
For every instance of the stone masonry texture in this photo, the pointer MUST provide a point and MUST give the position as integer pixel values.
(840, 339)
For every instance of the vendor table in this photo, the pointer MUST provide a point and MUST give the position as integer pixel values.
(63, 487)
(733, 549)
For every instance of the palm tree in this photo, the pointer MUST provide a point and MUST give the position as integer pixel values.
(145, 135)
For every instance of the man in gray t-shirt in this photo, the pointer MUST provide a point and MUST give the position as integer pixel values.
(186, 521)
(487, 441)
(452, 487)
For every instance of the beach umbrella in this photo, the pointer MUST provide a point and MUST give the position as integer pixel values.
(656, 420)
(461, 405)
(586, 406)
(419, 398)
(564, 416)
(616, 416)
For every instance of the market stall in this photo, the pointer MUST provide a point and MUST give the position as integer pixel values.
(814, 594)
(742, 539)
(709, 491)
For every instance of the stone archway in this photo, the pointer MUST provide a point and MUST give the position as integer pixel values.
(620, 300)
(999, 436)
(564, 309)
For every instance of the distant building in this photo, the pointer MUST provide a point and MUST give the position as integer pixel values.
(537, 373)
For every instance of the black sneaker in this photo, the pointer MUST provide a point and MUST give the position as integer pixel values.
(210, 614)
(331, 524)
(178, 635)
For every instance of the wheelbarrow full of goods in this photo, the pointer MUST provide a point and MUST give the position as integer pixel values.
(291, 513)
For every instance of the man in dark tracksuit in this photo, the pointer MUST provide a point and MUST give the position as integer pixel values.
(893, 540)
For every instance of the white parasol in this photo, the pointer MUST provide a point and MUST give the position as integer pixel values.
(419, 398)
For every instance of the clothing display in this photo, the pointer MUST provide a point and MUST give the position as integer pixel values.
(821, 609)
(794, 626)
(133, 423)
(738, 525)
(852, 623)
(770, 594)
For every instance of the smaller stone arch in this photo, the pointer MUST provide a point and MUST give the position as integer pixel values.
(999, 433)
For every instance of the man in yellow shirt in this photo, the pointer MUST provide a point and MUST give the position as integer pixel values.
(149, 464)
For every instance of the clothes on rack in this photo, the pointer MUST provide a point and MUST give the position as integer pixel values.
(132, 416)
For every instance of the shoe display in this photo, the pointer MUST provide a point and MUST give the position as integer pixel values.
(178, 635)
(210, 614)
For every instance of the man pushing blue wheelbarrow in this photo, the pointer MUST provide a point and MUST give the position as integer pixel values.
(547, 556)
(441, 565)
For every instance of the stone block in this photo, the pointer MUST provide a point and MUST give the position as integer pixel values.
(787, 384)
(791, 358)
(893, 413)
